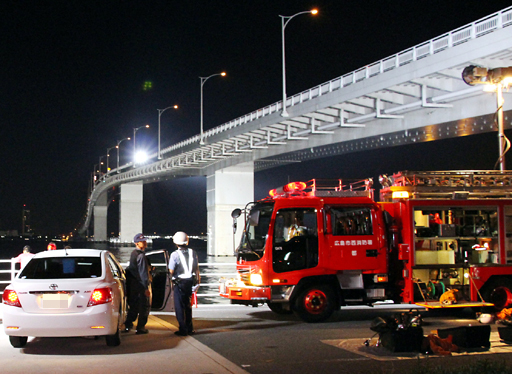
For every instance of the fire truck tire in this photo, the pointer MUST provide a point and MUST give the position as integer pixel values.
(278, 308)
(499, 293)
(316, 303)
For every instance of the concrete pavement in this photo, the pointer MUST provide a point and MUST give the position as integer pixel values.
(158, 352)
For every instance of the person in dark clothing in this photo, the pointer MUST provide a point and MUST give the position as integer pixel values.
(184, 269)
(138, 275)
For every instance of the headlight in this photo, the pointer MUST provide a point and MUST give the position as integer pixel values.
(256, 279)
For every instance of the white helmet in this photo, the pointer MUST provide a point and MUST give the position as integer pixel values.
(180, 238)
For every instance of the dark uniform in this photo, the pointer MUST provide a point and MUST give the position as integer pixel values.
(184, 278)
(138, 275)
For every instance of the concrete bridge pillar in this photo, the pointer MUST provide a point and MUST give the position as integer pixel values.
(100, 217)
(227, 189)
(130, 210)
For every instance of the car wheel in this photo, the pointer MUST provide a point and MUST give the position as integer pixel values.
(278, 308)
(315, 304)
(18, 341)
(115, 339)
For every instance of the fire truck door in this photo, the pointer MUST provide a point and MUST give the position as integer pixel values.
(353, 242)
(295, 245)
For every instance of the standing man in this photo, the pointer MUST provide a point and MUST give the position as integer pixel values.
(184, 269)
(24, 257)
(139, 279)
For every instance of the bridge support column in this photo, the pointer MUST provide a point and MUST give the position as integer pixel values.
(130, 211)
(100, 218)
(227, 189)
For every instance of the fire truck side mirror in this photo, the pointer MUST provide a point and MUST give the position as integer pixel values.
(236, 213)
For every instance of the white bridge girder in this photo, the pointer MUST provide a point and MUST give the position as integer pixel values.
(417, 95)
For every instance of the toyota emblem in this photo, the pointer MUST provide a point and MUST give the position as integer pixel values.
(53, 286)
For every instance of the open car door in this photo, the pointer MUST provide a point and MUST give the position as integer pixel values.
(162, 295)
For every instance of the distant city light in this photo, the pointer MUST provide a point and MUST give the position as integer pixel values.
(147, 85)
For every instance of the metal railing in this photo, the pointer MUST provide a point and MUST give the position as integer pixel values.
(446, 41)
(9, 267)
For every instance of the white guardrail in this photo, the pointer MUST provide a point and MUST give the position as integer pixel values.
(9, 267)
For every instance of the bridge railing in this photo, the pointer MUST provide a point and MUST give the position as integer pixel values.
(451, 39)
(210, 275)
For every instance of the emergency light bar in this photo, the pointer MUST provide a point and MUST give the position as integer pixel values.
(287, 188)
(324, 188)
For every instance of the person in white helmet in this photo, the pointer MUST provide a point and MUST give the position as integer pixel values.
(184, 269)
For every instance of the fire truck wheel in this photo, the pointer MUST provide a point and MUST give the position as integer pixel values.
(279, 308)
(499, 293)
(315, 303)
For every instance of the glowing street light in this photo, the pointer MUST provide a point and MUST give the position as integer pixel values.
(108, 156)
(99, 165)
(284, 22)
(498, 78)
(203, 80)
(117, 146)
(140, 157)
(135, 129)
(160, 111)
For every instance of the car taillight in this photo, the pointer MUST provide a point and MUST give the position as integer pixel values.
(100, 296)
(10, 297)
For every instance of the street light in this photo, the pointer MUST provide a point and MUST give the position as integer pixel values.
(135, 129)
(284, 22)
(99, 166)
(108, 156)
(499, 78)
(117, 146)
(204, 79)
(160, 111)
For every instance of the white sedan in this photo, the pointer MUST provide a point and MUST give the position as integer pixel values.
(62, 293)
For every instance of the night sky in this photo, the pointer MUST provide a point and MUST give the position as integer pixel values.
(72, 85)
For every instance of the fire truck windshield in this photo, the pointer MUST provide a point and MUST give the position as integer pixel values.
(252, 246)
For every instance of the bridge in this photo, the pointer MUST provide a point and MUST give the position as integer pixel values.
(416, 95)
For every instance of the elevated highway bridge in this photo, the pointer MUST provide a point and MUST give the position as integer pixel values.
(416, 95)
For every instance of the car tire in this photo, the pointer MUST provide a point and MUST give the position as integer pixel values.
(115, 339)
(18, 341)
(315, 304)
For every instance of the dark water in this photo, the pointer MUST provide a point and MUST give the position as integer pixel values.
(209, 274)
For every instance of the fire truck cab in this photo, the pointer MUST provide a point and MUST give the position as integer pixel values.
(437, 239)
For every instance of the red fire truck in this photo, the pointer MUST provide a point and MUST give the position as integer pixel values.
(436, 239)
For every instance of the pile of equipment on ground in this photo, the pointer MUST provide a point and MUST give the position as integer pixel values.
(403, 332)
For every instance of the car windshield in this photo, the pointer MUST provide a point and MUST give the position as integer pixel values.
(62, 267)
(254, 238)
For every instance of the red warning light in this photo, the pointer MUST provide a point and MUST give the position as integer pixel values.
(294, 186)
(290, 187)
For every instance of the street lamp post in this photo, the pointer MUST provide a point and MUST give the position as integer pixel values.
(203, 80)
(108, 156)
(99, 166)
(499, 77)
(135, 129)
(284, 22)
(160, 111)
(117, 146)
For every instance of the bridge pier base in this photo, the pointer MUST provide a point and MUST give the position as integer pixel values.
(130, 211)
(100, 218)
(227, 189)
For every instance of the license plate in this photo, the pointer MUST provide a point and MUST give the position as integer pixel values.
(55, 300)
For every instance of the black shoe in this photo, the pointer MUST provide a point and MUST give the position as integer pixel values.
(126, 329)
(142, 331)
(192, 332)
(180, 333)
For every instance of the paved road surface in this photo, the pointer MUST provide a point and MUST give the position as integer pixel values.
(236, 339)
